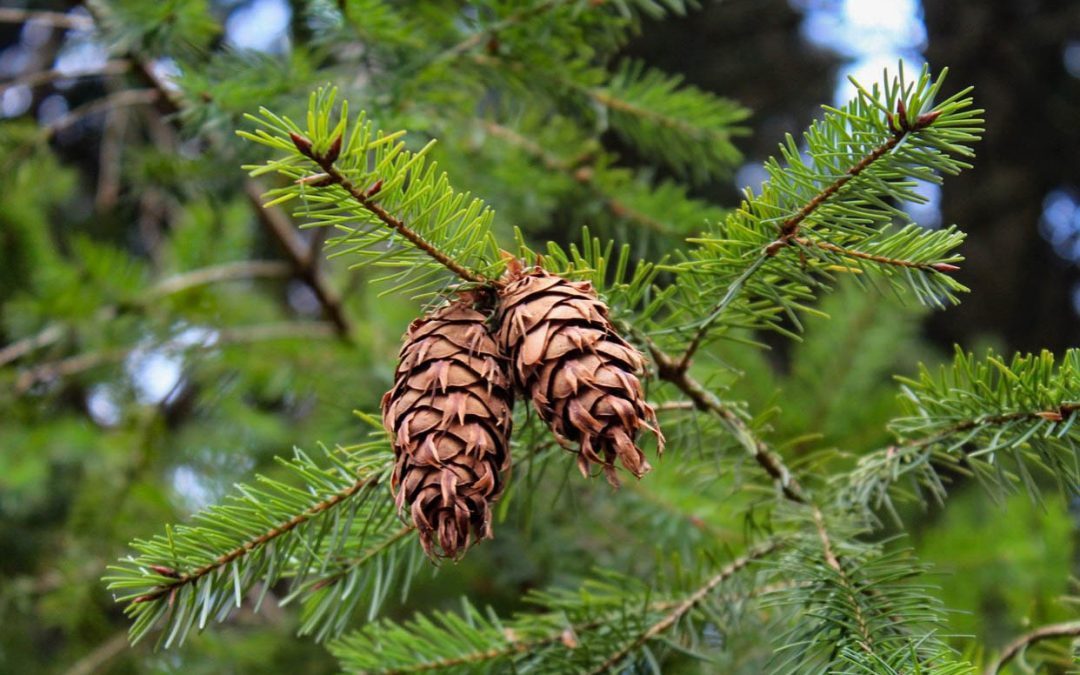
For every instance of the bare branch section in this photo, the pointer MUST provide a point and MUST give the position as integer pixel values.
(56, 19)
(296, 250)
(670, 369)
(1017, 646)
(276, 222)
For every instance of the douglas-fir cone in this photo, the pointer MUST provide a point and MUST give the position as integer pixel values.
(449, 418)
(582, 377)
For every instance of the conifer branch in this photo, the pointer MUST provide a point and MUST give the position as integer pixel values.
(972, 416)
(365, 199)
(1017, 646)
(789, 230)
(593, 615)
(184, 578)
(686, 605)
(884, 260)
(671, 370)
(865, 640)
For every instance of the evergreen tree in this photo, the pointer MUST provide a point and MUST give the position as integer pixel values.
(408, 161)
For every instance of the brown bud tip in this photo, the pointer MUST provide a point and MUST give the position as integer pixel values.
(944, 267)
(1052, 415)
(333, 152)
(926, 119)
(302, 143)
(165, 571)
(774, 247)
(373, 190)
(315, 180)
(568, 639)
(143, 598)
(901, 110)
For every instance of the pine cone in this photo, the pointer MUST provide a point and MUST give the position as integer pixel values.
(448, 415)
(581, 375)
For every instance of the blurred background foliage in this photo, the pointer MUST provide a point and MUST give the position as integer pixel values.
(178, 341)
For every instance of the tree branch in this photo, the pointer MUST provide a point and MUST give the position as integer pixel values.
(1057, 630)
(243, 269)
(258, 542)
(46, 76)
(56, 19)
(895, 262)
(568, 634)
(686, 605)
(865, 641)
(280, 226)
(671, 370)
(789, 229)
(363, 199)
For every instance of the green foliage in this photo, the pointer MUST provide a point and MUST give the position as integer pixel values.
(603, 624)
(333, 536)
(1008, 556)
(400, 182)
(1003, 424)
(829, 209)
(757, 543)
(686, 128)
(860, 603)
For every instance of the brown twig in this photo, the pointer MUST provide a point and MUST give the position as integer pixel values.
(100, 655)
(57, 19)
(241, 335)
(17, 350)
(242, 269)
(1057, 630)
(127, 97)
(670, 370)
(46, 76)
(257, 542)
(296, 250)
(686, 605)
(884, 260)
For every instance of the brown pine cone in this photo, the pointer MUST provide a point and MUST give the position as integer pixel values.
(449, 418)
(580, 374)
